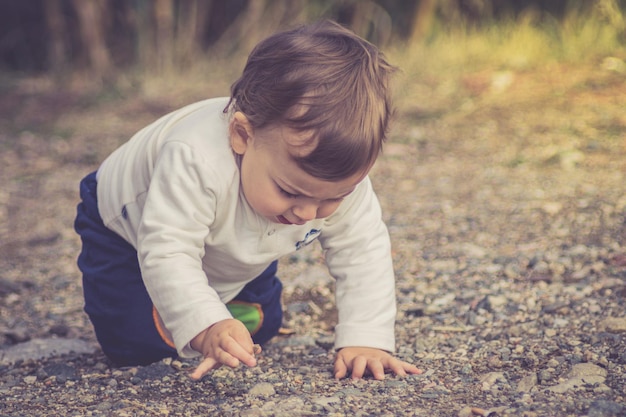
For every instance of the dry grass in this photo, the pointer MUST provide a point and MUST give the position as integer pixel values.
(527, 43)
(530, 64)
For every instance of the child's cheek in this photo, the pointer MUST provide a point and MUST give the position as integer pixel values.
(327, 209)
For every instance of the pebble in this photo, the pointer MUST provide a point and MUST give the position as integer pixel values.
(327, 341)
(584, 370)
(288, 407)
(61, 371)
(613, 324)
(326, 401)
(37, 349)
(604, 408)
(154, 371)
(351, 392)
(31, 379)
(295, 340)
(262, 389)
(439, 304)
(490, 379)
(581, 375)
(527, 383)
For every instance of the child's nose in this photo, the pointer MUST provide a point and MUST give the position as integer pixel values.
(306, 211)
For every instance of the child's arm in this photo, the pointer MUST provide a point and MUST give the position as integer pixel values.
(227, 342)
(359, 360)
(358, 254)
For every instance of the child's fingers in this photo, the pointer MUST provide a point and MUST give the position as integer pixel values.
(341, 370)
(398, 367)
(377, 369)
(402, 368)
(204, 367)
(411, 369)
(237, 353)
(222, 357)
(359, 365)
(227, 359)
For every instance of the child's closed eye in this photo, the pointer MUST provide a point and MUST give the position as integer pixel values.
(287, 194)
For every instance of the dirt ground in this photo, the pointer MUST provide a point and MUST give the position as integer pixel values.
(504, 193)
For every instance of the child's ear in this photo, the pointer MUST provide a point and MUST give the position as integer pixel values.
(240, 133)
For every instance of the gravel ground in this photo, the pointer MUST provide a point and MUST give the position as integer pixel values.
(507, 212)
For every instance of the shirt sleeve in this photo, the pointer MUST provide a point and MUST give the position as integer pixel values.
(358, 254)
(178, 212)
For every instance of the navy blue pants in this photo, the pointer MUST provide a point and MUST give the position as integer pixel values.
(118, 304)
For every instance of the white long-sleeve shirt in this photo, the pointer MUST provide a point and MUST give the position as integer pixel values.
(173, 191)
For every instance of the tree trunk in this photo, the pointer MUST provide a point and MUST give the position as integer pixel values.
(372, 22)
(164, 19)
(192, 17)
(90, 16)
(423, 20)
(243, 32)
(56, 49)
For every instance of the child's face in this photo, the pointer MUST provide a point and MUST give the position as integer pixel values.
(274, 185)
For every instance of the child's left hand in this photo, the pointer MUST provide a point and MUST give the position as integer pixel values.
(359, 360)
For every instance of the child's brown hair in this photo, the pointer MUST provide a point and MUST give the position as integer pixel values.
(324, 79)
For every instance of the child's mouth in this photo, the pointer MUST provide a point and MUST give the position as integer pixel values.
(283, 220)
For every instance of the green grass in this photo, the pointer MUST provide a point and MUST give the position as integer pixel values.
(456, 70)
(528, 43)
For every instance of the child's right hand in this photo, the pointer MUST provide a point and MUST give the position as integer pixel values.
(227, 342)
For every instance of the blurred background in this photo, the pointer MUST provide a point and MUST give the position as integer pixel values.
(79, 77)
(146, 57)
(108, 42)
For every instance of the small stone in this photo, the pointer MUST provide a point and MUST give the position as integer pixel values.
(497, 301)
(613, 324)
(490, 379)
(465, 412)
(466, 369)
(553, 363)
(61, 371)
(36, 349)
(18, 334)
(576, 383)
(287, 407)
(60, 330)
(325, 401)
(298, 341)
(252, 412)
(439, 304)
(544, 375)
(605, 408)
(560, 322)
(104, 406)
(262, 389)
(527, 383)
(325, 342)
(511, 271)
(351, 392)
(602, 389)
(157, 370)
(31, 379)
(584, 370)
